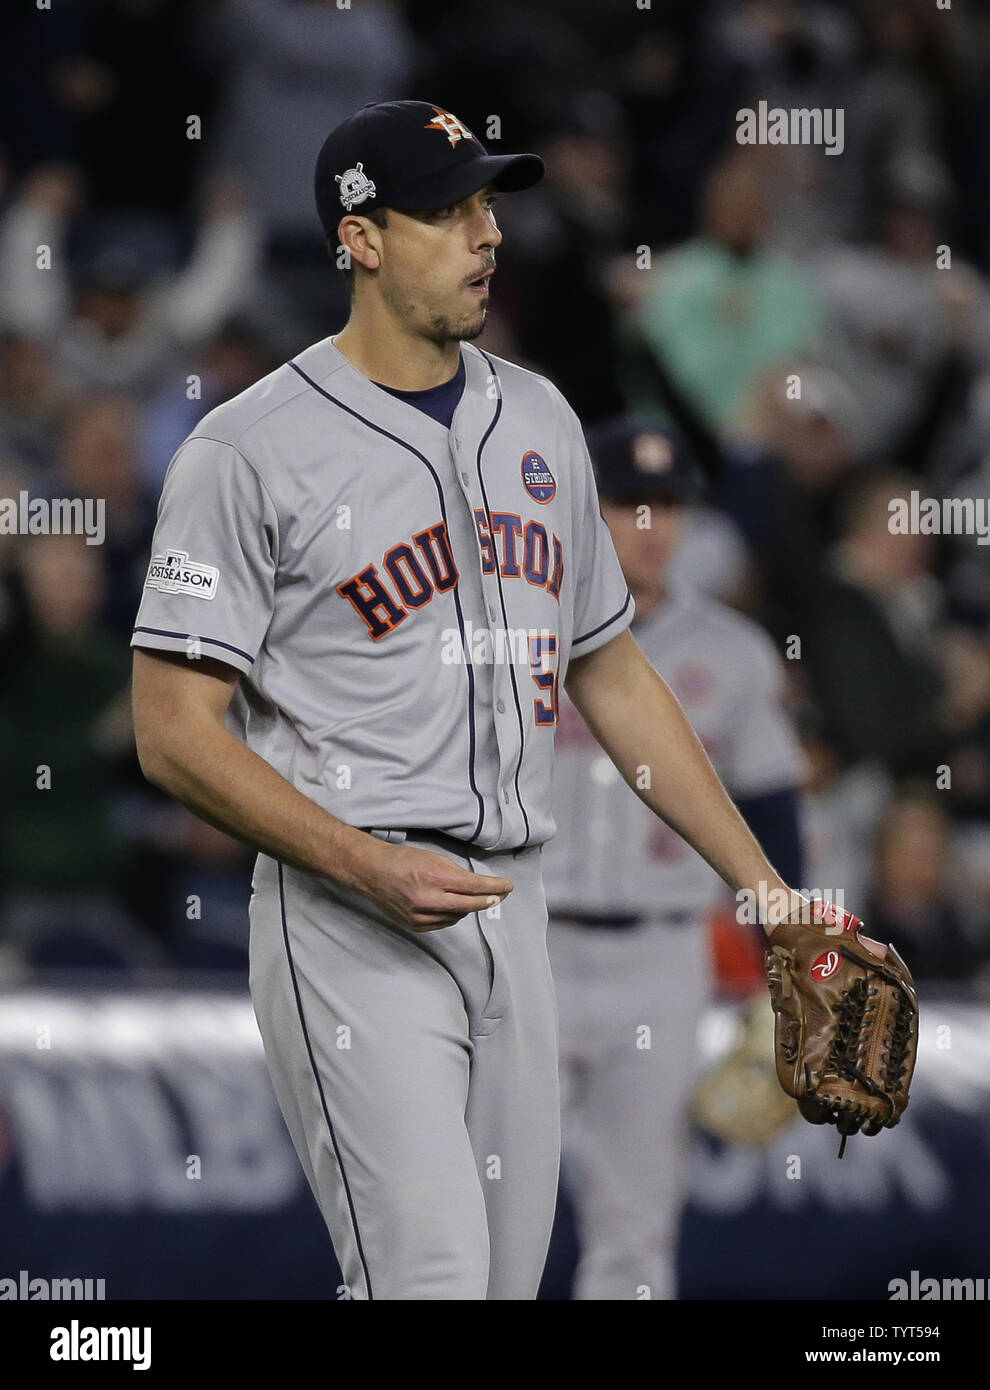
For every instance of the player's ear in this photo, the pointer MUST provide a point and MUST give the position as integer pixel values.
(363, 241)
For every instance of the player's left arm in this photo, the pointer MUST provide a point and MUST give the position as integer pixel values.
(636, 718)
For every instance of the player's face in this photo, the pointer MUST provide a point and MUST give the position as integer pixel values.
(646, 538)
(436, 268)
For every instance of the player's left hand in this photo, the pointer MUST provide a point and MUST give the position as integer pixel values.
(815, 913)
(846, 1020)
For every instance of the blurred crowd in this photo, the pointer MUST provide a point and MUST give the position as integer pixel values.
(815, 325)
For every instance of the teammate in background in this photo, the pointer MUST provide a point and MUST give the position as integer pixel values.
(332, 547)
(628, 897)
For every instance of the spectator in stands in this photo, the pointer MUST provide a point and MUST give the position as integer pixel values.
(840, 811)
(895, 679)
(900, 321)
(64, 726)
(557, 247)
(36, 300)
(28, 401)
(910, 63)
(117, 321)
(679, 91)
(796, 54)
(97, 459)
(297, 68)
(721, 311)
(234, 358)
(781, 480)
(967, 124)
(911, 903)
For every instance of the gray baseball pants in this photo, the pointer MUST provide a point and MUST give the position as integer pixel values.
(417, 1074)
(630, 1001)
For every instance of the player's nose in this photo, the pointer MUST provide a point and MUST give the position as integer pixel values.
(484, 233)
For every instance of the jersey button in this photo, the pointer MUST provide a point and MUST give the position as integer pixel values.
(500, 706)
(465, 479)
(492, 611)
(505, 797)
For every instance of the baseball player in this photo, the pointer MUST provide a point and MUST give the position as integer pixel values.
(628, 896)
(371, 574)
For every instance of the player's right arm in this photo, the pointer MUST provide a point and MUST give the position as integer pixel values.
(219, 538)
(186, 749)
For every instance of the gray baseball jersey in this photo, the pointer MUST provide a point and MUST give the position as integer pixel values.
(611, 853)
(403, 600)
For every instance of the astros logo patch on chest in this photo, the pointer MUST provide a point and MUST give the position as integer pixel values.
(538, 481)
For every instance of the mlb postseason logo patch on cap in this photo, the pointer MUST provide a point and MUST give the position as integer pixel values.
(538, 481)
(355, 186)
(174, 573)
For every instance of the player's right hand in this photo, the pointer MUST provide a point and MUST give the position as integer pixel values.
(424, 891)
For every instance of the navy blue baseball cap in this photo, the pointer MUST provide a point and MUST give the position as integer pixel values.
(412, 156)
(639, 458)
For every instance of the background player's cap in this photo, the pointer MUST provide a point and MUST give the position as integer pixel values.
(638, 458)
(412, 156)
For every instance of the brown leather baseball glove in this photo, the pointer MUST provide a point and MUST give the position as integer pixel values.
(846, 1022)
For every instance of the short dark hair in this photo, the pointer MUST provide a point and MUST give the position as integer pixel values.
(380, 218)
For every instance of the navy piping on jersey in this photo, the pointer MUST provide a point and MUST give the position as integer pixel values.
(501, 593)
(319, 1084)
(194, 637)
(472, 739)
(601, 626)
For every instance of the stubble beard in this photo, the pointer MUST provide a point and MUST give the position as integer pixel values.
(444, 329)
(436, 328)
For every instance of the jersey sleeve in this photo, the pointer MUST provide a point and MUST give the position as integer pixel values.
(603, 605)
(211, 582)
(764, 754)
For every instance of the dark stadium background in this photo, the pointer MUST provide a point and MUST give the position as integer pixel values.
(163, 151)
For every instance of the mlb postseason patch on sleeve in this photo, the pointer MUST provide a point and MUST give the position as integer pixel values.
(174, 573)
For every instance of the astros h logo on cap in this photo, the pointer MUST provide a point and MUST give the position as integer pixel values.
(453, 128)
